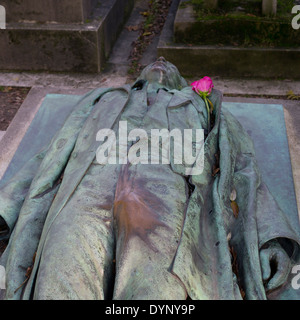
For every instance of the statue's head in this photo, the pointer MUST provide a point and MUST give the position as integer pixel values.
(163, 73)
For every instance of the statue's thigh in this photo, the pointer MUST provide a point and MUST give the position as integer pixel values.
(148, 236)
(77, 259)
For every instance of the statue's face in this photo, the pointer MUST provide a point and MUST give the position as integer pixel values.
(163, 73)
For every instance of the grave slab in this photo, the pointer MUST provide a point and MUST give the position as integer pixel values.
(266, 128)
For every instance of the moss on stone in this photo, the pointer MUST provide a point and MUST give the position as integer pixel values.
(239, 23)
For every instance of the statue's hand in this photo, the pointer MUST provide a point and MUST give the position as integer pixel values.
(275, 265)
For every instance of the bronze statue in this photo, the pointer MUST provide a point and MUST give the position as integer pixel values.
(80, 229)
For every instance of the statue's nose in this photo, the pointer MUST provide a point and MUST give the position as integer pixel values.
(162, 59)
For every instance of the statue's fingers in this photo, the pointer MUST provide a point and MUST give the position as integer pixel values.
(265, 264)
(283, 268)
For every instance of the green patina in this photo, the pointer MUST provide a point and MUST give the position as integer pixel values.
(102, 232)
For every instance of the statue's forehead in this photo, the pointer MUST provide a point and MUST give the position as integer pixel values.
(169, 75)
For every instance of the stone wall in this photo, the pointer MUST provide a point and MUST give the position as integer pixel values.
(64, 11)
(60, 35)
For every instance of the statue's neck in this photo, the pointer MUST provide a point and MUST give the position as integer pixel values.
(152, 90)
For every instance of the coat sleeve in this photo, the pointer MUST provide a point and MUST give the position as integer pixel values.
(270, 220)
(42, 172)
(13, 193)
(259, 218)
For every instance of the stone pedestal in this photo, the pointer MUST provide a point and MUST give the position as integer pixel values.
(269, 7)
(64, 11)
(60, 35)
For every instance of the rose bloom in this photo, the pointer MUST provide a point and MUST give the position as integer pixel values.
(203, 86)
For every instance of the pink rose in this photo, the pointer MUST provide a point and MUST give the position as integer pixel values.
(203, 86)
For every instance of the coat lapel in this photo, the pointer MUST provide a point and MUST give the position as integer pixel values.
(202, 247)
(104, 115)
(183, 115)
(62, 145)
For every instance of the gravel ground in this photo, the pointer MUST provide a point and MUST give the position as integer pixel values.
(11, 99)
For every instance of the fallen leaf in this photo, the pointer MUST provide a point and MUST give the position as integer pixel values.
(235, 208)
(147, 34)
(233, 195)
(235, 270)
(216, 166)
(132, 28)
(28, 273)
(215, 171)
(229, 236)
(292, 96)
(212, 106)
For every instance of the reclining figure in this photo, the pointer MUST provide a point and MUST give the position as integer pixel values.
(83, 229)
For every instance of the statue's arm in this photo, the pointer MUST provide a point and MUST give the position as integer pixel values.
(279, 241)
(41, 173)
(263, 220)
(13, 193)
(272, 223)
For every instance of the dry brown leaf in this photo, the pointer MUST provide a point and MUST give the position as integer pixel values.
(235, 208)
(216, 166)
(132, 28)
(215, 171)
(292, 96)
(28, 273)
(211, 105)
(235, 270)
